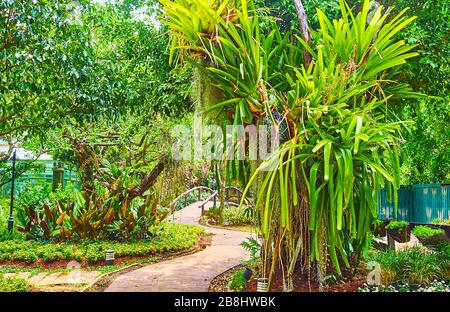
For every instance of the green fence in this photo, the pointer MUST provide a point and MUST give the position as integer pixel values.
(44, 176)
(419, 203)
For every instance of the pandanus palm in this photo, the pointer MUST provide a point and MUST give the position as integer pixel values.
(318, 201)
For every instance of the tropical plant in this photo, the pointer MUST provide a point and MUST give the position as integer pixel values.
(171, 238)
(318, 199)
(413, 265)
(236, 216)
(63, 214)
(238, 282)
(135, 219)
(426, 231)
(429, 236)
(379, 228)
(397, 225)
(252, 246)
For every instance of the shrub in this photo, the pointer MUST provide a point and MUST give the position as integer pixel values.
(429, 236)
(14, 284)
(4, 215)
(426, 231)
(236, 215)
(212, 213)
(439, 221)
(65, 214)
(238, 282)
(414, 265)
(379, 228)
(397, 225)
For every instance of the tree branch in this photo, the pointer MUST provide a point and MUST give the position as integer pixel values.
(149, 179)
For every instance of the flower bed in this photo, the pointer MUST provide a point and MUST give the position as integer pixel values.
(171, 238)
(13, 284)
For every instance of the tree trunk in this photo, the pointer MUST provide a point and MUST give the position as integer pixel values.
(303, 23)
(149, 180)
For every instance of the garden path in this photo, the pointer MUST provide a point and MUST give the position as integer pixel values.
(192, 272)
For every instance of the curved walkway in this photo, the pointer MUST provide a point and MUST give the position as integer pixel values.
(191, 272)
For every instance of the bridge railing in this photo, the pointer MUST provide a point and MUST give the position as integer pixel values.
(228, 202)
(184, 195)
(213, 197)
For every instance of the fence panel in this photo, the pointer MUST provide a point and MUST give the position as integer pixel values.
(419, 203)
(431, 201)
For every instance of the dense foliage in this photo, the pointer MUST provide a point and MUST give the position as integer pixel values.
(397, 225)
(65, 214)
(318, 199)
(14, 284)
(67, 64)
(425, 153)
(426, 231)
(413, 265)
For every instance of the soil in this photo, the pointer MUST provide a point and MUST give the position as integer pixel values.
(220, 283)
(301, 284)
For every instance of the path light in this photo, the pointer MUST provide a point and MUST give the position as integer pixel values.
(109, 257)
(262, 284)
(13, 177)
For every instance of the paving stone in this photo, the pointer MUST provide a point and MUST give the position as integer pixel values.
(24, 275)
(35, 279)
(58, 278)
(70, 278)
(49, 279)
(191, 272)
(83, 277)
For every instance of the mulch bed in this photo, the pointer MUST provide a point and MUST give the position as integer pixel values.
(302, 285)
(220, 283)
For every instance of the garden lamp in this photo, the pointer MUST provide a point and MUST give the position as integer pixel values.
(109, 257)
(11, 218)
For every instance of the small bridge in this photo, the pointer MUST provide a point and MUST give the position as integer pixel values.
(233, 197)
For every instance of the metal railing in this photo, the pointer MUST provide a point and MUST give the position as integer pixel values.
(213, 197)
(184, 195)
(228, 202)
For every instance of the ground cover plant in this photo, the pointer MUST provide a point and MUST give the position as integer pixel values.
(414, 265)
(168, 238)
(233, 215)
(439, 221)
(14, 284)
(435, 286)
(426, 231)
(238, 282)
(429, 236)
